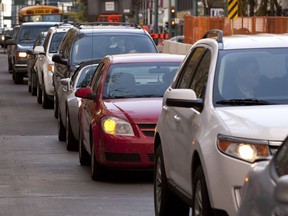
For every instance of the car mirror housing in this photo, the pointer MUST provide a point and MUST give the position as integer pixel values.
(85, 93)
(10, 42)
(185, 98)
(281, 190)
(39, 50)
(57, 58)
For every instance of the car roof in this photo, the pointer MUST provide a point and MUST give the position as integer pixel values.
(39, 23)
(145, 58)
(250, 41)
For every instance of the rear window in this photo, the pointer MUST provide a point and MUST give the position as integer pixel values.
(96, 47)
(55, 41)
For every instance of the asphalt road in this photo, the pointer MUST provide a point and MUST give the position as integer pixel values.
(39, 177)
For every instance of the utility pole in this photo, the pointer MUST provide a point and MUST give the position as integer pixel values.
(156, 16)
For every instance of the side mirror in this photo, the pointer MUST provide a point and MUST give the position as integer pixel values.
(85, 93)
(10, 42)
(57, 58)
(66, 82)
(39, 50)
(281, 190)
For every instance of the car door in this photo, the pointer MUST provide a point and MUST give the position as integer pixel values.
(89, 106)
(183, 125)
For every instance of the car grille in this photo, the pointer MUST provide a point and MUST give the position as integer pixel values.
(147, 129)
(151, 157)
(122, 157)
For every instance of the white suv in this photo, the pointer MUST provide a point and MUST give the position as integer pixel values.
(226, 109)
(45, 89)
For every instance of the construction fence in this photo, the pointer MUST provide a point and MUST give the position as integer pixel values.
(196, 27)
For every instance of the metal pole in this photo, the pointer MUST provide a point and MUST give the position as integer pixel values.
(195, 7)
(156, 16)
(169, 19)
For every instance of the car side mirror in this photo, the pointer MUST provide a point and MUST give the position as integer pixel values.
(57, 58)
(66, 82)
(85, 93)
(281, 190)
(10, 42)
(39, 50)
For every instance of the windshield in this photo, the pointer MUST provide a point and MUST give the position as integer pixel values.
(28, 34)
(251, 77)
(97, 46)
(139, 79)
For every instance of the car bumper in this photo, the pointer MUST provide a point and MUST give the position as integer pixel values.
(126, 152)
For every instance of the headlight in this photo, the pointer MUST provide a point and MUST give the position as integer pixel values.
(22, 54)
(248, 150)
(116, 126)
(3, 37)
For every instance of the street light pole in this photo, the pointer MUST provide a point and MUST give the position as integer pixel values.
(156, 16)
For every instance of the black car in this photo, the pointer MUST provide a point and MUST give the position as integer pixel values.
(23, 42)
(92, 41)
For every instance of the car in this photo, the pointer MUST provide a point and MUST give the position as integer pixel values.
(6, 34)
(225, 110)
(90, 41)
(266, 186)
(10, 48)
(45, 70)
(32, 65)
(23, 42)
(119, 110)
(179, 39)
(69, 103)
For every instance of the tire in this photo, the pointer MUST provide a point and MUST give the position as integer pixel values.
(166, 203)
(39, 93)
(72, 143)
(200, 202)
(55, 106)
(61, 129)
(84, 157)
(10, 66)
(46, 102)
(18, 78)
(98, 172)
(33, 85)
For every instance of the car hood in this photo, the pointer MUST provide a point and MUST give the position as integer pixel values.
(138, 110)
(264, 122)
(24, 47)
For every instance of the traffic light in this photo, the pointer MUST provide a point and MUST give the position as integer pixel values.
(173, 16)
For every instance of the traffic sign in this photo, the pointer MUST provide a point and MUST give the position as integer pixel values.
(233, 9)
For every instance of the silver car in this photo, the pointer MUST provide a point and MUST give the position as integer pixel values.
(265, 191)
(68, 128)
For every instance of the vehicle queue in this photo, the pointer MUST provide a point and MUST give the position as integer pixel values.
(110, 115)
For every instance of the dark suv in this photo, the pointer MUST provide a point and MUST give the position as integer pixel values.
(24, 42)
(92, 41)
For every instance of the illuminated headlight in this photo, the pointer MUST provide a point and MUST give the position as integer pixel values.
(3, 38)
(116, 126)
(22, 54)
(243, 149)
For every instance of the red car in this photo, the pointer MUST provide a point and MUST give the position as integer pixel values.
(120, 108)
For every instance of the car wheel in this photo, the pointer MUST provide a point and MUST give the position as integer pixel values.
(46, 102)
(39, 93)
(18, 78)
(84, 157)
(166, 203)
(72, 143)
(98, 172)
(33, 84)
(55, 106)
(10, 66)
(61, 129)
(200, 201)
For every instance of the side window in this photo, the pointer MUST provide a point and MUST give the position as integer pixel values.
(188, 70)
(46, 41)
(200, 77)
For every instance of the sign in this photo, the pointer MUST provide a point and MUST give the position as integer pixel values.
(109, 6)
(233, 9)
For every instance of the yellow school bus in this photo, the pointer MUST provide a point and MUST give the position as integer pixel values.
(40, 13)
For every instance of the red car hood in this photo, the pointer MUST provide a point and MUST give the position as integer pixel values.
(138, 110)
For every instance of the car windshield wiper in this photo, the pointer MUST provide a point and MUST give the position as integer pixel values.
(250, 101)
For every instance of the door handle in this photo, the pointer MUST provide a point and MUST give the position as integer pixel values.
(177, 118)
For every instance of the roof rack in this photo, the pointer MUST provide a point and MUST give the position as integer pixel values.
(106, 24)
(218, 32)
